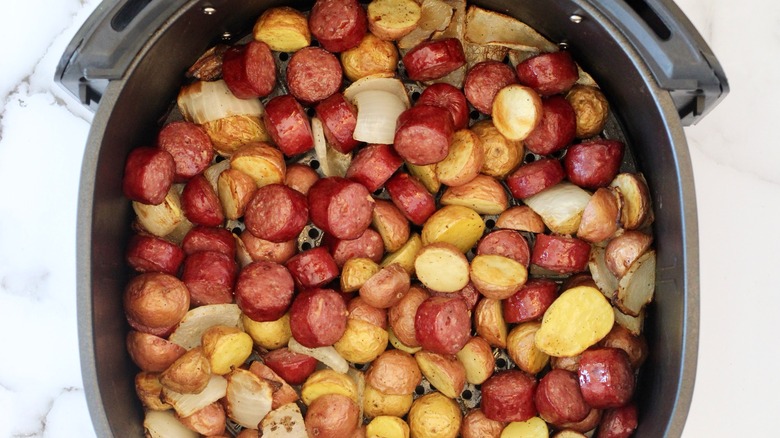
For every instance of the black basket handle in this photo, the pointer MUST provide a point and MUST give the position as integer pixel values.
(674, 51)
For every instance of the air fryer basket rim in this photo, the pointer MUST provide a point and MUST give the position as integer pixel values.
(90, 318)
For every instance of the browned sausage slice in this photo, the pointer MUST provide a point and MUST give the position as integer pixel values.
(190, 147)
(368, 245)
(374, 165)
(288, 125)
(210, 277)
(151, 254)
(338, 25)
(148, 175)
(264, 290)
(484, 80)
(558, 398)
(340, 207)
(339, 118)
(313, 268)
(423, 134)
(276, 213)
(318, 317)
(450, 98)
(442, 325)
(313, 74)
(433, 59)
(249, 70)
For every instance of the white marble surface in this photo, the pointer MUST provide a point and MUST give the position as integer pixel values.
(735, 159)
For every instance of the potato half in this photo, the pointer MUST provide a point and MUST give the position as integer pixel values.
(442, 267)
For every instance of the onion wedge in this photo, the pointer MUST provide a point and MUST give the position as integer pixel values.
(164, 424)
(200, 319)
(187, 404)
(203, 102)
(332, 162)
(492, 28)
(327, 355)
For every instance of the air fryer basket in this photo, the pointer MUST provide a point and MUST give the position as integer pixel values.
(655, 70)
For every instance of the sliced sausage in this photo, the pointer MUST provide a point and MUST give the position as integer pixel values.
(318, 317)
(509, 396)
(264, 290)
(606, 378)
(548, 73)
(249, 70)
(374, 165)
(563, 254)
(442, 325)
(190, 147)
(558, 398)
(200, 202)
(469, 294)
(411, 197)
(261, 249)
(313, 74)
(619, 422)
(201, 238)
(276, 213)
(433, 59)
(148, 175)
(147, 253)
(484, 80)
(338, 25)
(210, 276)
(530, 179)
(594, 164)
(423, 134)
(340, 207)
(368, 245)
(293, 367)
(288, 125)
(530, 302)
(507, 243)
(450, 98)
(556, 129)
(313, 268)
(339, 118)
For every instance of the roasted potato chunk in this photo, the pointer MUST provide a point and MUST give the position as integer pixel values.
(284, 29)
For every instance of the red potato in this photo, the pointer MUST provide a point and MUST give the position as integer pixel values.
(209, 239)
(313, 74)
(558, 398)
(507, 243)
(619, 422)
(442, 325)
(189, 145)
(548, 73)
(332, 416)
(423, 134)
(601, 216)
(469, 294)
(391, 224)
(565, 255)
(313, 268)
(411, 197)
(385, 288)
(450, 98)
(394, 372)
(483, 81)
(338, 25)
(152, 353)
(622, 251)
(293, 367)
(358, 308)
(340, 207)
(300, 177)
(555, 130)
(154, 303)
(401, 316)
(530, 302)
(318, 317)
(210, 277)
(148, 175)
(146, 253)
(433, 59)
(521, 218)
(373, 165)
(606, 378)
(593, 164)
(339, 118)
(368, 245)
(249, 70)
(264, 291)
(476, 425)
(207, 421)
(201, 204)
(276, 213)
(530, 179)
(288, 125)
(509, 396)
(635, 346)
(265, 250)
(588, 424)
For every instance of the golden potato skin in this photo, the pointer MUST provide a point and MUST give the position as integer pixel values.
(226, 348)
(356, 272)
(149, 389)
(591, 109)
(155, 302)
(372, 56)
(393, 19)
(401, 315)
(521, 348)
(284, 29)
(446, 373)
(387, 426)
(362, 341)
(434, 416)
(394, 372)
(327, 381)
(501, 155)
(377, 403)
(189, 374)
(489, 322)
(477, 425)
(332, 416)
(268, 334)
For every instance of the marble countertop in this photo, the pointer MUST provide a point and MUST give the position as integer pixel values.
(734, 154)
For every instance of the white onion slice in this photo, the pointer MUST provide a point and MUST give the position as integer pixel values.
(187, 404)
(378, 113)
(248, 398)
(332, 162)
(203, 102)
(164, 424)
(190, 329)
(327, 355)
(377, 83)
